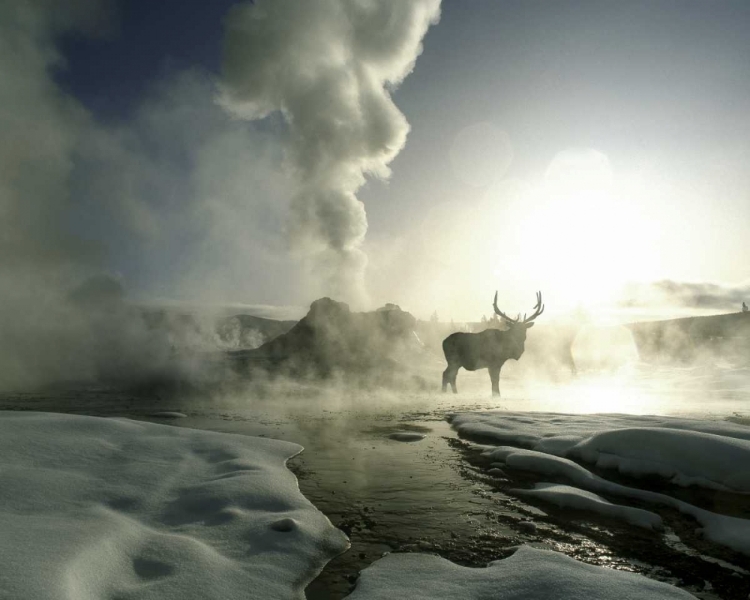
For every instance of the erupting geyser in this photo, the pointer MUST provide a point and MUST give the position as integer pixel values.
(328, 66)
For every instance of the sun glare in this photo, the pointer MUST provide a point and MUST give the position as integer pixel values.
(609, 395)
(584, 237)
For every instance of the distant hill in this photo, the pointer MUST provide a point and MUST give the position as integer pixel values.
(690, 338)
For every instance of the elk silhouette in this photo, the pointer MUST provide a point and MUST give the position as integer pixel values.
(488, 349)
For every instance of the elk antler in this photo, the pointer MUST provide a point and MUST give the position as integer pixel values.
(538, 310)
(500, 313)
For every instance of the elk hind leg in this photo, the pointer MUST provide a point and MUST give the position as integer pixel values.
(449, 376)
(495, 379)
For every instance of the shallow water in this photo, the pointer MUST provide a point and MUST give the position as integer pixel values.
(432, 493)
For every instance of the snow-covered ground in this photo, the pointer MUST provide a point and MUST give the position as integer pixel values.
(95, 509)
(684, 452)
(566, 496)
(529, 574)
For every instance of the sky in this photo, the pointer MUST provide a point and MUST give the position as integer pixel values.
(423, 153)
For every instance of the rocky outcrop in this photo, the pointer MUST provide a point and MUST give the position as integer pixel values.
(331, 339)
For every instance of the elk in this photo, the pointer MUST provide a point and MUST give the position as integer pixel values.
(488, 349)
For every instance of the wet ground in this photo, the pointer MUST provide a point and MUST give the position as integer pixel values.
(388, 470)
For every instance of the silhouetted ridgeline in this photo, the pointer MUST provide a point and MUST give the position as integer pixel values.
(691, 338)
(331, 339)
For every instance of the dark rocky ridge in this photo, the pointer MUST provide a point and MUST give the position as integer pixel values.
(332, 340)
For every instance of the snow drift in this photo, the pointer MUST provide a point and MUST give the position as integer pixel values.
(95, 509)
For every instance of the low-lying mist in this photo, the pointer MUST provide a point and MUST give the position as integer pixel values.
(93, 333)
(92, 338)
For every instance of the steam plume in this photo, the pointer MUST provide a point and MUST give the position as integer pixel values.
(328, 66)
(40, 128)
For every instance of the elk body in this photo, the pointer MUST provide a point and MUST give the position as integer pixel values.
(488, 349)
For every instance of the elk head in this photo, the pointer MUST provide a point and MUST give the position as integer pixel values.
(516, 331)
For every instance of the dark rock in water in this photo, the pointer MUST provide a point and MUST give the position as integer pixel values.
(331, 339)
(527, 526)
(407, 436)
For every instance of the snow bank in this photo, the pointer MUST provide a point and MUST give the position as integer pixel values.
(566, 496)
(684, 457)
(94, 508)
(710, 454)
(714, 455)
(529, 574)
(168, 414)
(732, 532)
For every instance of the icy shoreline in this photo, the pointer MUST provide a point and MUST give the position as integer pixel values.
(684, 452)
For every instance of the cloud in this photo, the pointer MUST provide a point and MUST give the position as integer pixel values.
(329, 67)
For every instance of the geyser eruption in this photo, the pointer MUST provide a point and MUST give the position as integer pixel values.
(328, 67)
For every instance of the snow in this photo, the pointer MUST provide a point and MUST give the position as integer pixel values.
(529, 574)
(683, 457)
(728, 531)
(566, 496)
(94, 508)
(168, 414)
(710, 454)
(685, 452)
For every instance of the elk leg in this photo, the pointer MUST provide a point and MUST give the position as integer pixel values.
(449, 376)
(495, 379)
(572, 363)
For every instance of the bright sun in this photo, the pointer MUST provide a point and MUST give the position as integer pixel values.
(584, 237)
